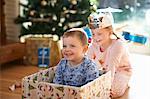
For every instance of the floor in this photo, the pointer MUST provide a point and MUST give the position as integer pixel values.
(139, 84)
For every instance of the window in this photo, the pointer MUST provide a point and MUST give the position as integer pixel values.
(136, 15)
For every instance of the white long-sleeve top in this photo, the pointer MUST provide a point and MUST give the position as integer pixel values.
(116, 59)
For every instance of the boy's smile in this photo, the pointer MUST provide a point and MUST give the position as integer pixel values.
(73, 50)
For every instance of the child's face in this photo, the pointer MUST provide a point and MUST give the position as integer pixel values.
(101, 36)
(73, 50)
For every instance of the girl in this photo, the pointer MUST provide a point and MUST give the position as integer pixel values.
(75, 69)
(109, 53)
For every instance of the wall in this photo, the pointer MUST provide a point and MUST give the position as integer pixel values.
(11, 12)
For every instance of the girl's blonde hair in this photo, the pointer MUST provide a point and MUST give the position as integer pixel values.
(111, 28)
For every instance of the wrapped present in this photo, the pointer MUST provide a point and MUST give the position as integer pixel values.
(136, 38)
(43, 57)
(35, 43)
(40, 86)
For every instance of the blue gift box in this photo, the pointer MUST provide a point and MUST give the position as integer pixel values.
(134, 38)
(43, 57)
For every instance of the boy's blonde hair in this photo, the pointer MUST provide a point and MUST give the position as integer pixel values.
(79, 33)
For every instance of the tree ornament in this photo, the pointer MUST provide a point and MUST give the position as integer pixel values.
(43, 3)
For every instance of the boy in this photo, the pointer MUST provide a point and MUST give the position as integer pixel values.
(75, 69)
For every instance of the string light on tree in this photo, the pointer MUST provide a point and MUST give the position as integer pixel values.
(74, 2)
(53, 2)
(32, 12)
(54, 16)
(43, 2)
(41, 15)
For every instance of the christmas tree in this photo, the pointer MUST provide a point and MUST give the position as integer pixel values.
(53, 16)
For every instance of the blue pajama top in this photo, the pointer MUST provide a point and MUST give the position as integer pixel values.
(75, 76)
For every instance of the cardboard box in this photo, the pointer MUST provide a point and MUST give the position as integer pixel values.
(34, 43)
(39, 86)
